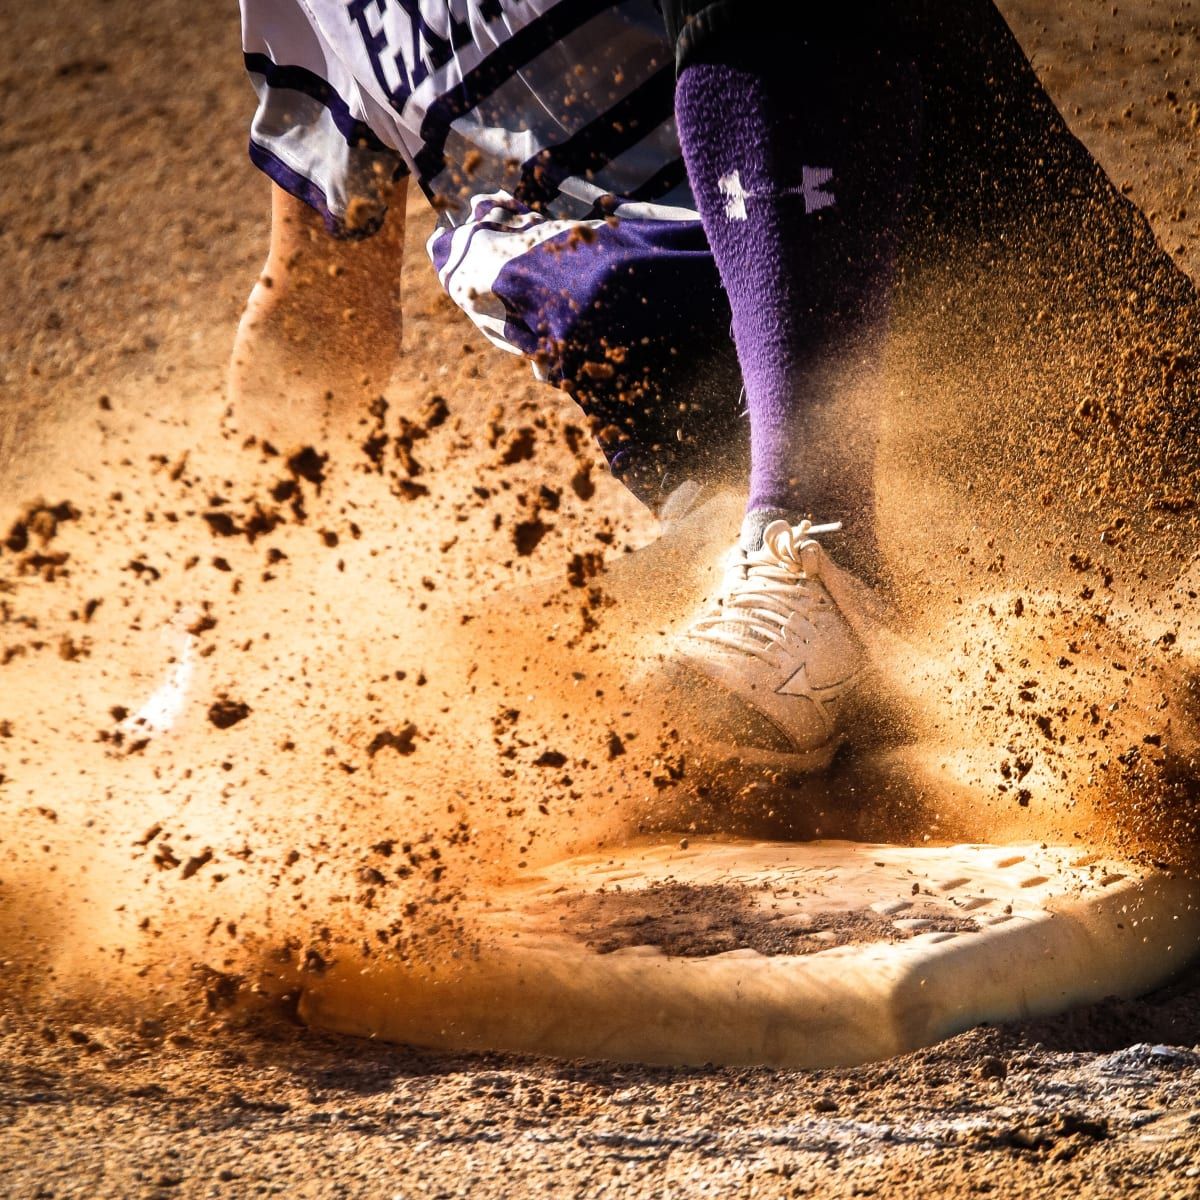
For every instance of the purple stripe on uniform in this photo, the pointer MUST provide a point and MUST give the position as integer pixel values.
(666, 179)
(496, 69)
(298, 79)
(305, 189)
(600, 141)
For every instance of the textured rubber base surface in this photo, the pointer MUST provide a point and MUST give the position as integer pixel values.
(800, 955)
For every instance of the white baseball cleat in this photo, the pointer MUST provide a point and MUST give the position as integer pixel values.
(779, 648)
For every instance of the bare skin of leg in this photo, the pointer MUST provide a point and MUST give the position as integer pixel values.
(321, 332)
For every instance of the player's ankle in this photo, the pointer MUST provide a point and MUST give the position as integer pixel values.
(758, 517)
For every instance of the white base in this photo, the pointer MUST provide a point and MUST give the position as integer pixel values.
(1055, 930)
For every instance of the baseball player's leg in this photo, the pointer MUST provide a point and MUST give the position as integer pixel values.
(800, 158)
(321, 329)
(799, 150)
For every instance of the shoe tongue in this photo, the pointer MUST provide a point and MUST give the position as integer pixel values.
(755, 522)
(750, 547)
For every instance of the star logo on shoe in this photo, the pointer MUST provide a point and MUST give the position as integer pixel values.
(797, 684)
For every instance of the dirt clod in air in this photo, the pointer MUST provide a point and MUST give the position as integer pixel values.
(41, 521)
(526, 535)
(307, 463)
(225, 713)
(402, 740)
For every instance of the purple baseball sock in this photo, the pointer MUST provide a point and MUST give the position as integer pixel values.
(800, 163)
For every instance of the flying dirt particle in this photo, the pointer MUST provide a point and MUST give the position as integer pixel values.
(402, 740)
(408, 489)
(308, 463)
(259, 521)
(71, 651)
(374, 448)
(140, 567)
(518, 446)
(582, 483)
(225, 713)
(435, 412)
(550, 758)
(41, 520)
(583, 567)
(149, 835)
(49, 566)
(616, 747)
(164, 858)
(527, 535)
(194, 863)
(667, 770)
(407, 435)
(221, 523)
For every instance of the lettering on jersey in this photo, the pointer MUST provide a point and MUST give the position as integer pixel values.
(402, 44)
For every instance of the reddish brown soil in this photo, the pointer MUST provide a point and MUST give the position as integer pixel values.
(694, 921)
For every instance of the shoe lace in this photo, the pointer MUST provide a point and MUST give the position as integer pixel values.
(764, 589)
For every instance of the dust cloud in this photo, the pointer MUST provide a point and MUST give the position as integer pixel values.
(265, 707)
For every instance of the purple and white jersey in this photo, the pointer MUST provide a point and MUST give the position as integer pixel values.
(528, 123)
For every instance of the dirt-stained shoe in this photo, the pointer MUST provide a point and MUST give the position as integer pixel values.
(774, 662)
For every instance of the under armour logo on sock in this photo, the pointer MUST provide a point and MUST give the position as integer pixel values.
(730, 186)
(812, 188)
